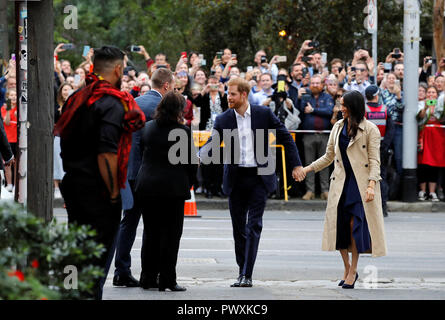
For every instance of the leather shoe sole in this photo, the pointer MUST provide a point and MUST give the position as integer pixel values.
(128, 281)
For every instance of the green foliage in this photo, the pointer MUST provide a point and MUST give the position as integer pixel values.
(245, 26)
(41, 252)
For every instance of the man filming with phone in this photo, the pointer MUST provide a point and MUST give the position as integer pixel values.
(267, 67)
(357, 78)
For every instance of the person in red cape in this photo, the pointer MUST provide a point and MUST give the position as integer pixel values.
(95, 131)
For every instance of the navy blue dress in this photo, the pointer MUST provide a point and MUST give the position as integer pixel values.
(351, 205)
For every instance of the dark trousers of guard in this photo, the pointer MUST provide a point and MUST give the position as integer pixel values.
(126, 236)
(246, 203)
(163, 221)
(87, 203)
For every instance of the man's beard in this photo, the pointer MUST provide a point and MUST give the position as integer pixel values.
(235, 105)
(119, 83)
(315, 89)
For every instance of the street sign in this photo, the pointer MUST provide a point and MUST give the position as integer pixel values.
(372, 16)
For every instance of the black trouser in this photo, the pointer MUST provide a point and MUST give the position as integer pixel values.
(87, 203)
(247, 202)
(163, 221)
(426, 173)
(126, 236)
(212, 177)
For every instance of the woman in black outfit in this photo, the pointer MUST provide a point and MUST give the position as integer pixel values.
(162, 186)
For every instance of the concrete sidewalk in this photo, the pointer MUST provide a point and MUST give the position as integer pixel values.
(297, 204)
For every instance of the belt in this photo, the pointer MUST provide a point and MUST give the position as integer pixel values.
(248, 171)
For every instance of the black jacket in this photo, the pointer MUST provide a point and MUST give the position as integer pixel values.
(5, 148)
(159, 175)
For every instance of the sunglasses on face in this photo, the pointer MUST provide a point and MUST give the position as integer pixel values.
(360, 69)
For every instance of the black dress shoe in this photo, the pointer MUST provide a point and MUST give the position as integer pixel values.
(175, 287)
(236, 284)
(148, 284)
(209, 195)
(350, 286)
(125, 281)
(246, 282)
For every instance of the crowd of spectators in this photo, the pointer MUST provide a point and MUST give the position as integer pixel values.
(305, 97)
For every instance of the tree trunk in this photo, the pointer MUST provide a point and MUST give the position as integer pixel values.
(438, 30)
(41, 108)
(4, 47)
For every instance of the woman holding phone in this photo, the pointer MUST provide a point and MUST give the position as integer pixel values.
(354, 218)
(431, 146)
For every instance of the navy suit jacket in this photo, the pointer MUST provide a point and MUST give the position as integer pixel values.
(148, 103)
(261, 118)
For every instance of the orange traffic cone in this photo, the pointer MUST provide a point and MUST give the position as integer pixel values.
(190, 209)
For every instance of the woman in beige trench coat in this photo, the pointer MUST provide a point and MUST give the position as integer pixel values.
(354, 217)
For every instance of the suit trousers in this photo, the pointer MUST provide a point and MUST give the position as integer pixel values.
(163, 221)
(314, 147)
(126, 236)
(87, 203)
(246, 203)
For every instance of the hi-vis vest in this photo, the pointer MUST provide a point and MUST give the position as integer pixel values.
(378, 116)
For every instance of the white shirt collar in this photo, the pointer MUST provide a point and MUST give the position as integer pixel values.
(157, 92)
(247, 113)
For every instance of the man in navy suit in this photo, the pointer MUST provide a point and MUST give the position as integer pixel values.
(249, 171)
(162, 82)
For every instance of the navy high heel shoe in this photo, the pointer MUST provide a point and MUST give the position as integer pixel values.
(341, 283)
(350, 286)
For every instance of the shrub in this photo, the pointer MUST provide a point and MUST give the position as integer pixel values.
(34, 255)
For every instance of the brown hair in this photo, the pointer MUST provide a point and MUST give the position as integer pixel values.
(241, 84)
(170, 109)
(59, 99)
(337, 60)
(161, 76)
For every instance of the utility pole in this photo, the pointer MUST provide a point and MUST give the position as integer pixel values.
(41, 108)
(21, 52)
(411, 39)
(370, 24)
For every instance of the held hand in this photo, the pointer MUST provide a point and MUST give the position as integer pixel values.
(369, 194)
(298, 174)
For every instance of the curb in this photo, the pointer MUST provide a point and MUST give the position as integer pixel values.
(311, 205)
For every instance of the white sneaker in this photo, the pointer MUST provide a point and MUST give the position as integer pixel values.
(57, 194)
(9, 187)
(433, 197)
(422, 195)
(198, 190)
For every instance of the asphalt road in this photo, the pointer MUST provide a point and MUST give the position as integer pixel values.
(291, 266)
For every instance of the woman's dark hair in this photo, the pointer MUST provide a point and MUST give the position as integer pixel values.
(170, 109)
(355, 103)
